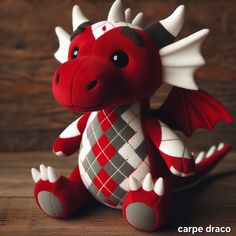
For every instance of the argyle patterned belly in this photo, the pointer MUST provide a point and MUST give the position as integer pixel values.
(112, 149)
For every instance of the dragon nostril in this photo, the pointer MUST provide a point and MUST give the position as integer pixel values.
(92, 85)
(57, 78)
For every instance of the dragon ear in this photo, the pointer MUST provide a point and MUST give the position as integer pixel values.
(165, 31)
(116, 12)
(181, 59)
(78, 17)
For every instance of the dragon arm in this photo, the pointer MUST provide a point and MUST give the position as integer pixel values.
(69, 140)
(176, 156)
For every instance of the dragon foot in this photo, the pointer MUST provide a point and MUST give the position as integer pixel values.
(55, 195)
(146, 207)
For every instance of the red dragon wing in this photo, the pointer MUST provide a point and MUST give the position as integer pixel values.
(188, 110)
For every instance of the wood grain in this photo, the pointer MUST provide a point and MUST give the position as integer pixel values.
(31, 119)
(211, 202)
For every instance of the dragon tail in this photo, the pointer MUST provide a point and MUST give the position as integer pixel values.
(205, 162)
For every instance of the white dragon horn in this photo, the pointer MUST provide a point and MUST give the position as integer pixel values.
(164, 32)
(64, 43)
(174, 23)
(116, 12)
(77, 17)
(138, 19)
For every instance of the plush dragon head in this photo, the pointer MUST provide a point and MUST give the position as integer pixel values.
(117, 62)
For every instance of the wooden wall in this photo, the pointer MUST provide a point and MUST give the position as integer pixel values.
(30, 119)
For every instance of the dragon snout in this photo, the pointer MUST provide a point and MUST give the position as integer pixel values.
(84, 83)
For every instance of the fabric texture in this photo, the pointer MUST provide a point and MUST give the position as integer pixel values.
(128, 158)
(112, 149)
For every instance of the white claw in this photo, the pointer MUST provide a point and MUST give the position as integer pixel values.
(35, 175)
(148, 183)
(200, 157)
(60, 154)
(159, 188)
(53, 175)
(221, 145)
(43, 172)
(134, 183)
(211, 151)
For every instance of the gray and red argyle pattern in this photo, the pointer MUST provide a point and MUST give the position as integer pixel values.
(112, 149)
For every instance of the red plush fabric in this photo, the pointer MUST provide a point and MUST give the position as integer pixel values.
(202, 169)
(67, 146)
(71, 193)
(198, 110)
(81, 84)
(70, 145)
(159, 204)
(182, 164)
(83, 41)
(105, 76)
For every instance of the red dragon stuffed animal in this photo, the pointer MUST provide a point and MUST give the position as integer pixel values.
(129, 156)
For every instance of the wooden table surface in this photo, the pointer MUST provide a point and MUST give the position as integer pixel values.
(211, 202)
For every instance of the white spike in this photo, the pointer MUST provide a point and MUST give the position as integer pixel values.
(77, 17)
(116, 12)
(43, 172)
(35, 175)
(53, 175)
(64, 42)
(138, 19)
(148, 183)
(211, 151)
(175, 21)
(159, 187)
(128, 15)
(134, 183)
(221, 145)
(200, 157)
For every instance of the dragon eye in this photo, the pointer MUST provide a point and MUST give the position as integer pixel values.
(120, 59)
(75, 53)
